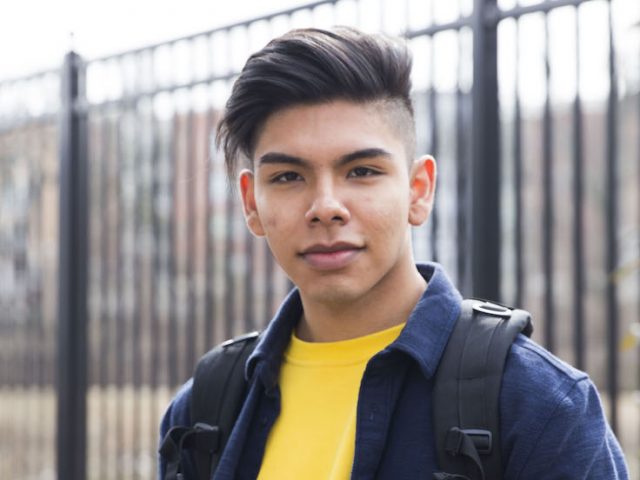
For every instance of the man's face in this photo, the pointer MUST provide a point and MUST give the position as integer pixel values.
(334, 196)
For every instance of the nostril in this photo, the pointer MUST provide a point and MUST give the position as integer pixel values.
(326, 210)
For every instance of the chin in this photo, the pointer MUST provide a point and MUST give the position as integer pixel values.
(334, 294)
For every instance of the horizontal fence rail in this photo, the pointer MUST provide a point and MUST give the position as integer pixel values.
(532, 111)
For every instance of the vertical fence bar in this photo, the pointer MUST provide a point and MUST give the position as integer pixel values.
(41, 445)
(462, 177)
(115, 352)
(103, 349)
(229, 295)
(172, 261)
(434, 146)
(19, 311)
(137, 318)
(518, 177)
(485, 168)
(209, 258)
(72, 277)
(611, 188)
(209, 255)
(578, 212)
(249, 322)
(155, 266)
(191, 240)
(547, 201)
(120, 320)
(22, 263)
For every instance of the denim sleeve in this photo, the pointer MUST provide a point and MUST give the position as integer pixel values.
(576, 442)
(177, 414)
(553, 424)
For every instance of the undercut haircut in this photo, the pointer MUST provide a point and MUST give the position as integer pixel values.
(314, 66)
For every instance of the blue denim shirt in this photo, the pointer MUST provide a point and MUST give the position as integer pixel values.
(552, 423)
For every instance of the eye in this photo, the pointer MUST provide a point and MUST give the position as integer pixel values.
(363, 172)
(286, 177)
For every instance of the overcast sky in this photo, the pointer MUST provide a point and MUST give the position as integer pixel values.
(35, 34)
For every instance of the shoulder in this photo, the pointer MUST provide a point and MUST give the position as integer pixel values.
(552, 421)
(532, 369)
(536, 387)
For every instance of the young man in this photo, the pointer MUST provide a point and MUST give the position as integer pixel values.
(340, 383)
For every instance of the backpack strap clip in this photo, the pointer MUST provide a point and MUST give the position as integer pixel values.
(206, 438)
(482, 439)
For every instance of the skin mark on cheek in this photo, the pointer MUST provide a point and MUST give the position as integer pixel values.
(270, 222)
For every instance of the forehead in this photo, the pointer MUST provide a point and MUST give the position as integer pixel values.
(331, 128)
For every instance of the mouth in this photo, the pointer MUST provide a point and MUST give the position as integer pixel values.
(331, 256)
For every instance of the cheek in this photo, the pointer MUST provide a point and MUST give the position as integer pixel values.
(280, 215)
(268, 212)
(270, 222)
(384, 215)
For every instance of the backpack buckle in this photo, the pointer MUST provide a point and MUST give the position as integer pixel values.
(457, 441)
(482, 439)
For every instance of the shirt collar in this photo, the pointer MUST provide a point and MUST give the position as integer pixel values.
(431, 322)
(424, 337)
(267, 356)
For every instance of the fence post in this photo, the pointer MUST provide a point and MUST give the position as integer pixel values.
(72, 277)
(485, 165)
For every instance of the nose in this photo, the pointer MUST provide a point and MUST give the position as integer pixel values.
(326, 208)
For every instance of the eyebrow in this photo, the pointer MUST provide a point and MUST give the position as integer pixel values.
(277, 157)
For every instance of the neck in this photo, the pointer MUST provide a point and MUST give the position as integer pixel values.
(384, 306)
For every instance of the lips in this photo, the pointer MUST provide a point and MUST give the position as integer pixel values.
(331, 256)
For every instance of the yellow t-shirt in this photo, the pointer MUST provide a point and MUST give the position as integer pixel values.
(314, 436)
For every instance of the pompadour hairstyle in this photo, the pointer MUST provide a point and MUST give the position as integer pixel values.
(310, 66)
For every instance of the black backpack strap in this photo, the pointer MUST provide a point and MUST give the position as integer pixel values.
(217, 394)
(219, 388)
(467, 389)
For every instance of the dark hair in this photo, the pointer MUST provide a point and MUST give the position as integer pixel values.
(308, 66)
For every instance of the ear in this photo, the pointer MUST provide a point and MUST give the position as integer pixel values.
(422, 178)
(249, 208)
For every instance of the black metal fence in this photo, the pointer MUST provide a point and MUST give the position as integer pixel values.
(123, 256)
